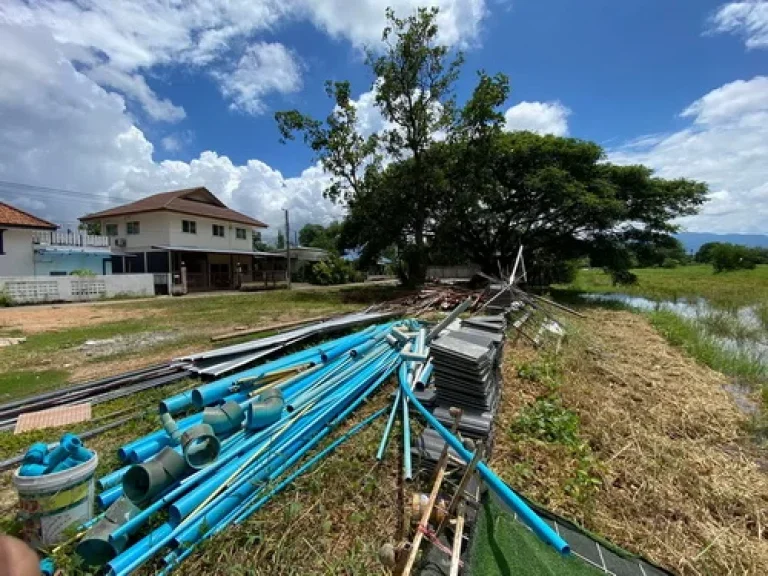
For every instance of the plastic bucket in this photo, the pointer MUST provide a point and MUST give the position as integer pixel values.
(52, 505)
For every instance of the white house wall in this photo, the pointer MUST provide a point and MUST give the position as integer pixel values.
(165, 229)
(204, 237)
(153, 230)
(19, 258)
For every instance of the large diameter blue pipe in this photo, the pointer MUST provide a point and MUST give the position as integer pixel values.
(177, 403)
(108, 497)
(504, 492)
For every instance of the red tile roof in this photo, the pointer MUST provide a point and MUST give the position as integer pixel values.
(179, 201)
(14, 218)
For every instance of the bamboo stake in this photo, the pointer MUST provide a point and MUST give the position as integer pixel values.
(458, 535)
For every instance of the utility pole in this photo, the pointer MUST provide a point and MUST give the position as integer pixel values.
(287, 249)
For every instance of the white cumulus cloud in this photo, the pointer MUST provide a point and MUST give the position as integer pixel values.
(538, 117)
(123, 42)
(748, 19)
(726, 146)
(265, 67)
(63, 131)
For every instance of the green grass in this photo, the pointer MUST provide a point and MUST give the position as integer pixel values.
(25, 383)
(729, 289)
(196, 319)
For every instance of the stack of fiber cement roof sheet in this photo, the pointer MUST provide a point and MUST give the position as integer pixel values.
(466, 375)
(464, 369)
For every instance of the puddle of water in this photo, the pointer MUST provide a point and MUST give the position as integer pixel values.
(752, 340)
(753, 344)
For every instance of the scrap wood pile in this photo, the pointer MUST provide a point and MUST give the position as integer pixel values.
(226, 448)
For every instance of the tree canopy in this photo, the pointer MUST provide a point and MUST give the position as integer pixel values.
(452, 181)
(319, 236)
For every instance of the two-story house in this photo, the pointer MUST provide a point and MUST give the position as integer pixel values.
(190, 228)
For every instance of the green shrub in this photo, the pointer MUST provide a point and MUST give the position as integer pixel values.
(334, 270)
(549, 421)
(82, 272)
(670, 263)
(727, 257)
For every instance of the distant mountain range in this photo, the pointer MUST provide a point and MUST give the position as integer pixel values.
(693, 240)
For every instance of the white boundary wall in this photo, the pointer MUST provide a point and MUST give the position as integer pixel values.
(35, 289)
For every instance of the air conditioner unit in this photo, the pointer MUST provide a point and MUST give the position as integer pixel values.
(120, 242)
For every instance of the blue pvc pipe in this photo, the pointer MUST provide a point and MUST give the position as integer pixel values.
(177, 403)
(112, 479)
(108, 497)
(296, 449)
(220, 511)
(308, 464)
(122, 563)
(328, 408)
(388, 427)
(504, 492)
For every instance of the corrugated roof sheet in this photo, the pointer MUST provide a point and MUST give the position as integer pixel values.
(179, 201)
(15, 218)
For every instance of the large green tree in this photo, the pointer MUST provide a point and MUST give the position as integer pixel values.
(413, 87)
(559, 198)
(453, 182)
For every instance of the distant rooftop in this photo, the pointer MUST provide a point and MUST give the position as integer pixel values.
(193, 201)
(11, 217)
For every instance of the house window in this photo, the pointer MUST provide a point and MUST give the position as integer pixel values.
(111, 229)
(133, 228)
(189, 226)
(218, 230)
(241, 234)
(2, 250)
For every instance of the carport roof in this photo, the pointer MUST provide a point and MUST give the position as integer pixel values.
(217, 251)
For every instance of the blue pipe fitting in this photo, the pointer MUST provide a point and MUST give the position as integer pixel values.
(47, 567)
(37, 453)
(225, 418)
(143, 482)
(200, 445)
(33, 470)
(265, 412)
(97, 548)
(74, 447)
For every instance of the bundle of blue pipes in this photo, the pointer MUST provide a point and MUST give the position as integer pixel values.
(253, 433)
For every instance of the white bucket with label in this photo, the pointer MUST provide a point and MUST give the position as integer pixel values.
(52, 505)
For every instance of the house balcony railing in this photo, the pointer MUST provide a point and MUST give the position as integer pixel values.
(46, 238)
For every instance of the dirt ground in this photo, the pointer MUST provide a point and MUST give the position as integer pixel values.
(36, 319)
(678, 478)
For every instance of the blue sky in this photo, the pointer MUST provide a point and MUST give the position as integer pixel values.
(115, 101)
